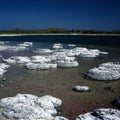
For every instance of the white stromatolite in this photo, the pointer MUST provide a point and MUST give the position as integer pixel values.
(31, 107)
(105, 71)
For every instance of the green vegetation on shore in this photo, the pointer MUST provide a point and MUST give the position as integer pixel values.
(57, 31)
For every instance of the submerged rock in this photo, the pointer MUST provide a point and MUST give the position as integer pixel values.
(116, 102)
(105, 71)
(101, 114)
(31, 107)
(81, 88)
(1, 85)
(4, 79)
(109, 89)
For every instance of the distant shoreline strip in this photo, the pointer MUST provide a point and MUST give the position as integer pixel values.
(10, 35)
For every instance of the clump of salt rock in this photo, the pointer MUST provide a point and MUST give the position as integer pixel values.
(105, 71)
(101, 114)
(31, 107)
(81, 88)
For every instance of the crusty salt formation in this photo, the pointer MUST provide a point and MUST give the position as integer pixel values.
(105, 71)
(101, 114)
(31, 107)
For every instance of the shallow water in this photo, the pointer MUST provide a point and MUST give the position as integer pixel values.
(59, 83)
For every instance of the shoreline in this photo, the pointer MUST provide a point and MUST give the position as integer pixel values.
(11, 35)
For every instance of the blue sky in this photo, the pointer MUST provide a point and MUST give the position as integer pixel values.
(68, 14)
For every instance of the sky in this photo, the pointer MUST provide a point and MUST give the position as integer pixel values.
(67, 14)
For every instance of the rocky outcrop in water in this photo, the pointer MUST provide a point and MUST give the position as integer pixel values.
(31, 107)
(105, 71)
